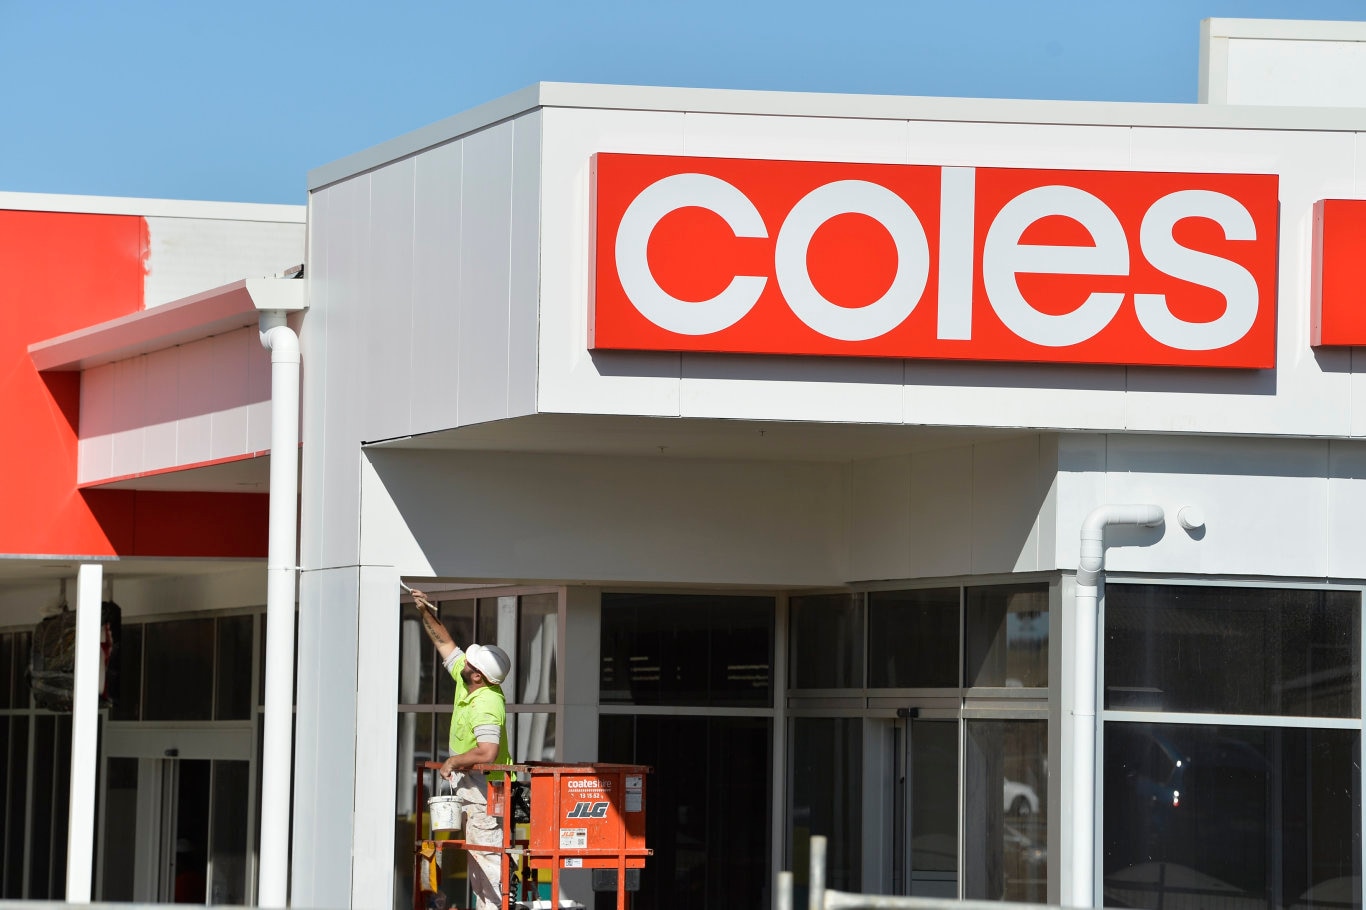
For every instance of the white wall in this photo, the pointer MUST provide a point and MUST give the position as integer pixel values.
(978, 509)
(1273, 507)
(1283, 62)
(187, 255)
(509, 516)
(205, 401)
(422, 310)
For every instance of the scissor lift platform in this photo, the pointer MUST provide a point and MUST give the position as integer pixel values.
(582, 816)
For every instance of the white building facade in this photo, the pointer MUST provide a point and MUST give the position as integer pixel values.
(973, 482)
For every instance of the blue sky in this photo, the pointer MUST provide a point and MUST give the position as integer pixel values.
(238, 100)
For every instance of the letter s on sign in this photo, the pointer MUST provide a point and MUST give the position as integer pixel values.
(633, 267)
(1228, 278)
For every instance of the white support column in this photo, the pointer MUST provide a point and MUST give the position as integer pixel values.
(85, 707)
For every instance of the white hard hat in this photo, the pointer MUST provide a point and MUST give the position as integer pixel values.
(490, 660)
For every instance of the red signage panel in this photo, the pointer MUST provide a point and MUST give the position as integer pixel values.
(1338, 279)
(919, 261)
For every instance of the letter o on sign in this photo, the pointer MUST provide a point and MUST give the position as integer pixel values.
(633, 267)
(913, 260)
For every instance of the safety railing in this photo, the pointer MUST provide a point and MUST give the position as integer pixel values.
(820, 897)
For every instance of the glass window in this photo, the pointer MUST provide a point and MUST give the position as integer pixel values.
(458, 618)
(7, 666)
(120, 827)
(228, 862)
(537, 633)
(23, 644)
(1005, 793)
(14, 806)
(128, 705)
(1232, 650)
(1261, 816)
(708, 808)
(913, 639)
(178, 671)
(232, 698)
(826, 637)
(1007, 635)
(531, 736)
(677, 649)
(826, 787)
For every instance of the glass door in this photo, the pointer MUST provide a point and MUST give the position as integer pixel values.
(924, 816)
(175, 825)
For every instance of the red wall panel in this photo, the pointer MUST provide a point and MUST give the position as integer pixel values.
(60, 272)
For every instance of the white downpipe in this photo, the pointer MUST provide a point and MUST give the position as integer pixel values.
(282, 566)
(85, 707)
(1084, 685)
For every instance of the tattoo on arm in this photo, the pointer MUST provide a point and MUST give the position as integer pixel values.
(435, 630)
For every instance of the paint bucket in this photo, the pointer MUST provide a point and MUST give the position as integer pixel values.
(445, 811)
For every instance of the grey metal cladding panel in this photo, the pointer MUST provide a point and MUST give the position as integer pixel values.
(486, 195)
(345, 334)
(436, 280)
(524, 297)
(387, 306)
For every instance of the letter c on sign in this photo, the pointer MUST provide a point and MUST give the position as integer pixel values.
(633, 267)
(912, 269)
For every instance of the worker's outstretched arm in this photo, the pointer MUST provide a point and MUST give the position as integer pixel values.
(431, 624)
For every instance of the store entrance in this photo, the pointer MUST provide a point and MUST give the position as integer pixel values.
(921, 759)
(176, 825)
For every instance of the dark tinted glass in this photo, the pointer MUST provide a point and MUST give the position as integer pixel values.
(7, 667)
(128, 704)
(913, 639)
(708, 801)
(674, 649)
(1259, 816)
(40, 828)
(1007, 635)
(14, 806)
(826, 633)
(233, 690)
(178, 682)
(827, 791)
(120, 827)
(23, 644)
(1232, 650)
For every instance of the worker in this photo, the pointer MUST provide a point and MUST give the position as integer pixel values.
(478, 736)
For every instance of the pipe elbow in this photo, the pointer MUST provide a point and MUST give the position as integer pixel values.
(281, 341)
(1091, 559)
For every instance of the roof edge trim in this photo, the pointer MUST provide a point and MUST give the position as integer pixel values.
(825, 105)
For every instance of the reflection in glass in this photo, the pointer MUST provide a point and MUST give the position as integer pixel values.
(178, 669)
(1007, 635)
(913, 639)
(7, 667)
(1261, 816)
(14, 805)
(827, 788)
(1226, 650)
(228, 861)
(532, 736)
(537, 631)
(826, 636)
(1005, 797)
(458, 618)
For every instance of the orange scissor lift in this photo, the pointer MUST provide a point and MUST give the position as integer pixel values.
(589, 816)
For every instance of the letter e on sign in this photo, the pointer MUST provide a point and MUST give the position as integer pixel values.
(918, 261)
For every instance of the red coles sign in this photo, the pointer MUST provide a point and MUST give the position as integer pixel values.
(962, 263)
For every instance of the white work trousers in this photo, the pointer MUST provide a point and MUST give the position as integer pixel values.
(485, 866)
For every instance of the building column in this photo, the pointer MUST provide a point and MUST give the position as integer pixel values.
(85, 707)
